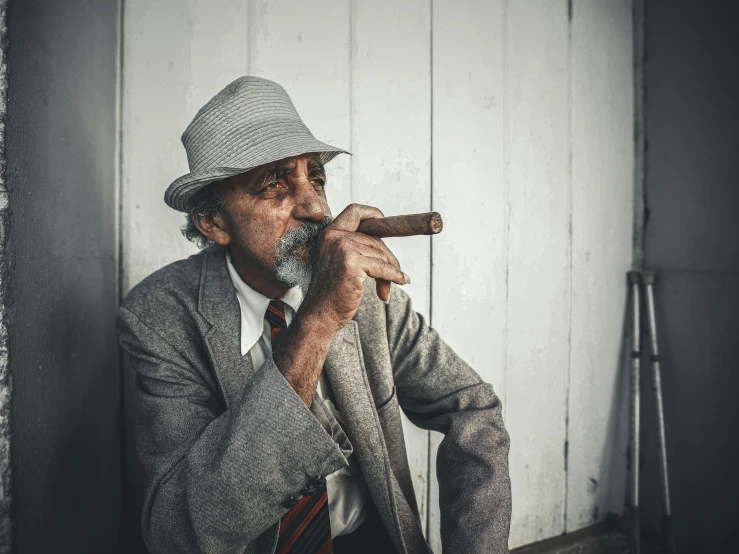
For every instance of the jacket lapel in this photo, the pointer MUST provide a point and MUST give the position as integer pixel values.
(344, 368)
(218, 305)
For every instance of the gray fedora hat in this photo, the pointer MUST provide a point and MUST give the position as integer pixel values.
(251, 122)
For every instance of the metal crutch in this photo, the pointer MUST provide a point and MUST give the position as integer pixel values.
(647, 278)
(632, 508)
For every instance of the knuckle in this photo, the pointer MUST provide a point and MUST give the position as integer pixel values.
(340, 240)
(327, 236)
(363, 208)
(332, 237)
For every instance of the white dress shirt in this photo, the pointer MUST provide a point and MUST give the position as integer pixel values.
(346, 487)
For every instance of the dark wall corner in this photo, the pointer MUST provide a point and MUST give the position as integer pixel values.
(692, 240)
(61, 138)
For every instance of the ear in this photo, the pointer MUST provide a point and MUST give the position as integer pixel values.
(214, 228)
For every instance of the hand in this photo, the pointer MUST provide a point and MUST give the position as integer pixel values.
(344, 260)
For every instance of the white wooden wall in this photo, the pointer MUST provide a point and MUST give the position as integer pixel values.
(513, 119)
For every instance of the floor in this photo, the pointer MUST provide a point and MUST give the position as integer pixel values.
(598, 539)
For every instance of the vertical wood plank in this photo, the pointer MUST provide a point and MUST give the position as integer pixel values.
(539, 264)
(602, 179)
(391, 166)
(177, 54)
(469, 190)
(304, 46)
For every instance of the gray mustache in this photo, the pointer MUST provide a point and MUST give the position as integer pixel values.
(307, 232)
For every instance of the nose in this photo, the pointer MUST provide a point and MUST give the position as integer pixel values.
(308, 203)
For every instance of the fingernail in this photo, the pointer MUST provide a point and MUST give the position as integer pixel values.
(407, 279)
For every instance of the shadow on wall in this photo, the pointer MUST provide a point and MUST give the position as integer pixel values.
(132, 541)
(614, 459)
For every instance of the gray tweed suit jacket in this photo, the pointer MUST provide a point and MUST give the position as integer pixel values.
(224, 444)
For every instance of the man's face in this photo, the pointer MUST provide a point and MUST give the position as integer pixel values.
(270, 215)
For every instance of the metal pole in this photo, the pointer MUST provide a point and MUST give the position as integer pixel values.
(632, 508)
(648, 280)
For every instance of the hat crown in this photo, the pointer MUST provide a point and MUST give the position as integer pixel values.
(243, 115)
(249, 123)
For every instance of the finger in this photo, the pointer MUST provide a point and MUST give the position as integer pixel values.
(370, 250)
(383, 289)
(382, 286)
(350, 218)
(377, 244)
(380, 269)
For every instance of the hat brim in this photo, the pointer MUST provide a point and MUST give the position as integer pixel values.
(183, 188)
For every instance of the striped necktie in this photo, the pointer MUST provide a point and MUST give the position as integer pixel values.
(306, 528)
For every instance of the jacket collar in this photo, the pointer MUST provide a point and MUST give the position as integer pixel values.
(217, 303)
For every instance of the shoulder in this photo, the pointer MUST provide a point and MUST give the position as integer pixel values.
(169, 291)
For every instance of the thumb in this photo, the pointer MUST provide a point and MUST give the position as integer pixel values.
(350, 218)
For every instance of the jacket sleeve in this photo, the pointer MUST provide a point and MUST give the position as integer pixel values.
(438, 391)
(215, 480)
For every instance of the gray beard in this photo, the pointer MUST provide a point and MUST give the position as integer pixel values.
(292, 266)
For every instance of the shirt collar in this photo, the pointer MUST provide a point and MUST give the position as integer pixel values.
(253, 306)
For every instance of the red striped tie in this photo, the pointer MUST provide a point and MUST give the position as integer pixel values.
(306, 528)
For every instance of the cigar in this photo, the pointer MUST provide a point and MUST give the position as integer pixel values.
(402, 225)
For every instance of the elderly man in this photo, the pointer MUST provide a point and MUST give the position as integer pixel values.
(270, 377)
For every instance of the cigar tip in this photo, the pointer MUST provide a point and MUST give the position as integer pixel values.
(435, 223)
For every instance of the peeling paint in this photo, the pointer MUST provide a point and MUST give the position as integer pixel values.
(592, 485)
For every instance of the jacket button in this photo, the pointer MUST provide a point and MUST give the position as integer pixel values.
(318, 481)
(292, 500)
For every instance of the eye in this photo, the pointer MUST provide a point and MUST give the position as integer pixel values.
(270, 187)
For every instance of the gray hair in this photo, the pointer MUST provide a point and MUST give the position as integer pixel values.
(291, 268)
(206, 203)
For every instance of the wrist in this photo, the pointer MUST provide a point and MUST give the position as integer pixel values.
(301, 352)
(312, 325)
